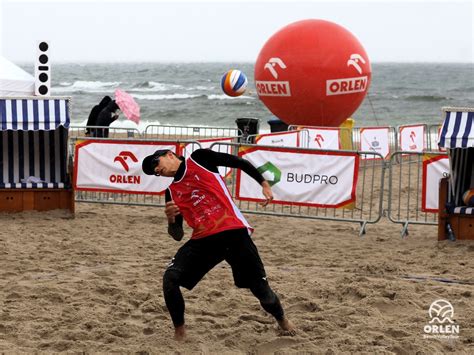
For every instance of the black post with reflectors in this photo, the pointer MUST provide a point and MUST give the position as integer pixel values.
(42, 70)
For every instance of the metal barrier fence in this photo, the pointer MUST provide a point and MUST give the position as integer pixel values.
(159, 132)
(369, 194)
(402, 198)
(367, 208)
(114, 132)
(405, 190)
(120, 198)
(189, 132)
(350, 138)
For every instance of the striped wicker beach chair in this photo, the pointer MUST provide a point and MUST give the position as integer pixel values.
(33, 150)
(457, 136)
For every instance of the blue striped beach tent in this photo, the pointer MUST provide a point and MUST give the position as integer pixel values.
(457, 136)
(33, 142)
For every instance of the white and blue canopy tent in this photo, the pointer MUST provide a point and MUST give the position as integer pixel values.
(457, 136)
(33, 142)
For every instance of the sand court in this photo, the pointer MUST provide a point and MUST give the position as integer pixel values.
(93, 284)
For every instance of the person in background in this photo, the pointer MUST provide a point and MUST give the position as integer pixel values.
(92, 120)
(108, 115)
(198, 195)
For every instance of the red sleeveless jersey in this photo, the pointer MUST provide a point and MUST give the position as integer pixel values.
(205, 202)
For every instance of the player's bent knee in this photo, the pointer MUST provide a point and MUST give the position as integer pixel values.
(269, 298)
(171, 279)
(264, 293)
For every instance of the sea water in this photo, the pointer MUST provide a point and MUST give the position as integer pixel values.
(190, 93)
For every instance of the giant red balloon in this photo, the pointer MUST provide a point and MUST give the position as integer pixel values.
(313, 73)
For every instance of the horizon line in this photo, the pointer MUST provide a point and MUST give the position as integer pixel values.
(230, 61)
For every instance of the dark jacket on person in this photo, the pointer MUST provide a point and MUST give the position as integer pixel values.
(105, 118)
(92, 120)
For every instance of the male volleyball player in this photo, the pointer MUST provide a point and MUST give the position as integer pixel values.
(220, 231)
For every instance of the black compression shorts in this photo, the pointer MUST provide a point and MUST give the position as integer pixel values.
(197, 257)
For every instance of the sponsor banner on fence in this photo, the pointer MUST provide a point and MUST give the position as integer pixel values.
(375, 140)
(280, 139)
(116, 166)
(298, 177)
(434, 169)
(207, 143)
(324, 138)
(412, 138)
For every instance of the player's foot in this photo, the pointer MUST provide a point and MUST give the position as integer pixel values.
(287, 327)
(180, 333)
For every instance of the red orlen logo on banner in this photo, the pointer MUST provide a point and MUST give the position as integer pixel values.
(122, 159)
(125, 179)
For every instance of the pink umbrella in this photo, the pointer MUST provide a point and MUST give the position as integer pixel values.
(127, 105)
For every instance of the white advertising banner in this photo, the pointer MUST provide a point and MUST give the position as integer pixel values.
(412, 138)
(307, 178)
(375, 140)
(324, 138)
(434, 169)
(279, 139)
(116, 166)
(206, 143)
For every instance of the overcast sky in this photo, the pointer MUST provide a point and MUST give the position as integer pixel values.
(169, 31)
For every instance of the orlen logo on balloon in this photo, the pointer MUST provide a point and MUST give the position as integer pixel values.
(122, 158)
(348, 85)
(273, 88)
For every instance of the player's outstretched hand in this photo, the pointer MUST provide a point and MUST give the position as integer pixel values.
(267, 192)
